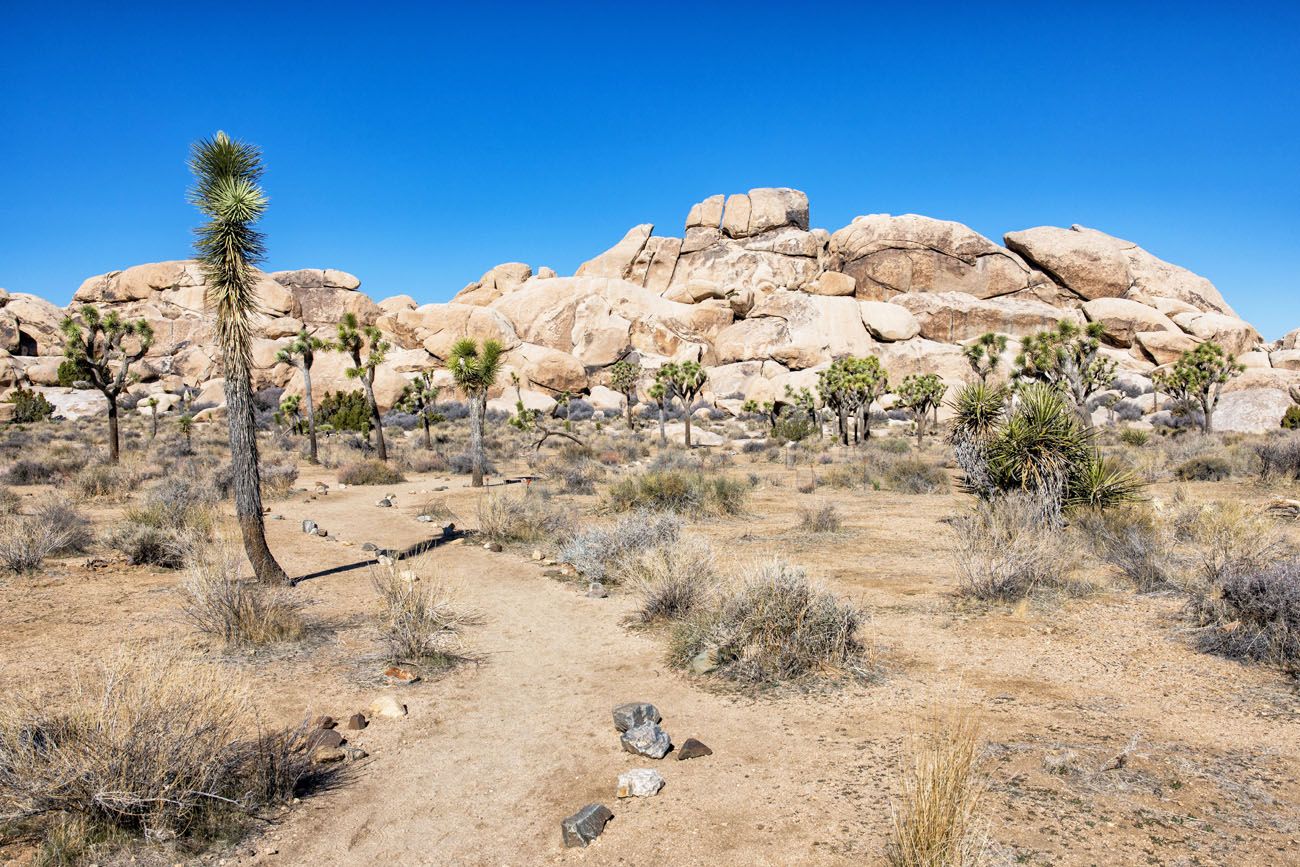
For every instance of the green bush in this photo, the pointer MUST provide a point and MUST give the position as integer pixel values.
(1204, 468)
(72, 371)
(1291, 418)
(1134, 437)
(344, 410)
(793, 426)
(30, 406)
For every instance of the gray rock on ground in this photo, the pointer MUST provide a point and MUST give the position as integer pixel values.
(585, 825)
(309, 527)
(692, 749)
(648, 740)
(630, 715)
(639, 783)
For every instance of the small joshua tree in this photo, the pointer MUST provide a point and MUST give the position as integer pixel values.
(684, 380)
(985, 353)
(767, 409)
(352, 341)
(103, 348)
(623, 377)
(301, 353)
(849, 387)
(186, 425)
(658, 393)
(290, 413)
(475, 371)
(152, 403)
(1200, 375)
(805, 400)
(1068, 358)
(920, 394)
(420, 397)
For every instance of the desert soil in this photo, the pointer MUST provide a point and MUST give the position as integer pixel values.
(1110, 739)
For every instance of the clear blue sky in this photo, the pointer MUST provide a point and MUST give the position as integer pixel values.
(418, 145)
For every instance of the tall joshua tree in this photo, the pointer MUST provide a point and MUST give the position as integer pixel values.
(301, 353)
(475, 371)
(685, 380)
(226, 192)
(352, 340)
(623, 377)
(103, 348)
(920, 394)
(420, 397)
(984, 353)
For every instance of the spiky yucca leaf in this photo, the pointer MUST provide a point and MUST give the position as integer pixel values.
(1041, 444)
(1101, 483)
(978, 409)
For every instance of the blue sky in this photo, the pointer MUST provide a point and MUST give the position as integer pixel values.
(416, 145)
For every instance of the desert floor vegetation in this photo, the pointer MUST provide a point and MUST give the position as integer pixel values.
(1131, 667)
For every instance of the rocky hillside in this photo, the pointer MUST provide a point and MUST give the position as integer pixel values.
(748, 290)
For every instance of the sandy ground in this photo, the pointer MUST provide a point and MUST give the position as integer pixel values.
(494, 754)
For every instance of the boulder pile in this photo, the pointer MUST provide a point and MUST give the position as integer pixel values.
(749, 290)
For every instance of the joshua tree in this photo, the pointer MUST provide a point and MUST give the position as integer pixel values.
(921, 393)
(805, 400)
(475, 371)
(420, 397)
(152, 403)
(186, 425)
(1200, 375)
(985, 353)
(290, 413)
(301, 353)
(226, 192)
(658, 392)
(767, 408)
(850, 386)
(685, 380)
(623, 377)
(103, 348)
(1069, 359)
(352, 340)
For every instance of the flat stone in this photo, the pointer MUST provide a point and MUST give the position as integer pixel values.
(596, 590)
(424, 519)
(324, 722)
(355, 754)
(327, 738)
(328, 755)
(635, 713)
(494, 547)
(369, 546)
(387, 707)
(648, 740)
(692, 749)
(639, 783)
(356, 722)
(322, 532)
(585, 825)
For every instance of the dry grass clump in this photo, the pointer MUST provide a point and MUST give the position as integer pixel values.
(673, 579)
(606, 553)
(241, 613)
(102, 481)
(772, 626)
(278, 477)
(689, 492)
(1005, 550)
(148, 745)
(915, 475)
(1228, 539)
(47, 468)
(821, 518)
(9, 501)
(419, 619)
(25, 542)
(1252, 613)
(936, 819)
(370, 472)
(1279, 457)
(532, 517)
(176, 515)
(1137, 540)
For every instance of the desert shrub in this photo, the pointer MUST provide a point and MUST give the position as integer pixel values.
(424, 461)
(1006, 549)
(1279, 457)
(692, 493)
(278, 477)
(772, 627)
(936, 820)
(672, 580)
(437, 509)
(174, 517)
(462, 464)
(62, 518)
(915, 476)
(892, 445)
(25, 542)
(1291, 418)
(1227, 539)
(369, 472)
(1206, 468)
(419, 620)
(29, 406)
(145, 545)
(1133, 437)
(822, 518)
(102, 481)
(344, 410)
(576, 476)
(529, 518)
(146, 746)
(38, 471)
(604, 553)
(241, 613)
(793, 426)
(9, 501)
(1136, 540)
(1252, 612)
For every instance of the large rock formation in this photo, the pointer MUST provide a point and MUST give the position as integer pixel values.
(749, 290)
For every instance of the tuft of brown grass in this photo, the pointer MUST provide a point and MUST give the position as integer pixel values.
(419, 618)
(529, 518)
(370, 472)
(936, 819)
(821, 518)
(242, 613)
(1005, 551)
(673, 579)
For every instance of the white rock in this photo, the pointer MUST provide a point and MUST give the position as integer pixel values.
(639, 783)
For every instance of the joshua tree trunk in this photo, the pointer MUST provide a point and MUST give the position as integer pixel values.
(153, 422)
(477, 410)
(311, 415)
(375, 420)
(113, 444)
(1207, 407)
(428, 441)
(687, 420)
(844, 424)
(663, 435)
(243, 459)
(920, 428)
(627, 403)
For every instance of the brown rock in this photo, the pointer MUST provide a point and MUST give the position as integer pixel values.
(692, 749)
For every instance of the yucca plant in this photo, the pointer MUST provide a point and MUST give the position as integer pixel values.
(978, 411)
(226, 174)
(301, 353)
(352, 340)
(475, 371)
